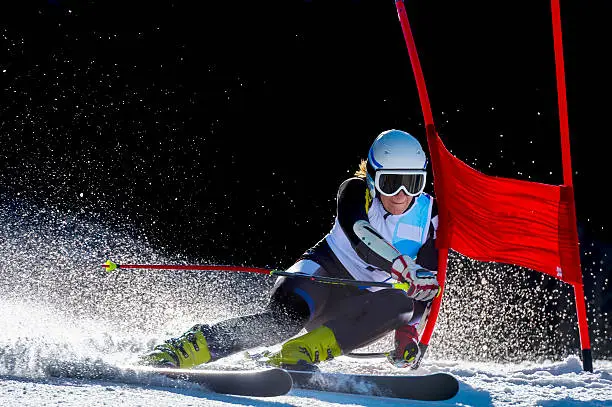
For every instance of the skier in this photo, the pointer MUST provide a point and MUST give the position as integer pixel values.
(385, 230)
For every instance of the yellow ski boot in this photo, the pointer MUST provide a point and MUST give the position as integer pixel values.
(307, 350)
(186, 351)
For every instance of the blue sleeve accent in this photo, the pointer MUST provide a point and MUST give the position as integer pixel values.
(308, 299)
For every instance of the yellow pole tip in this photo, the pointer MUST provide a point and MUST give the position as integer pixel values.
(110, 266)
(402, 286)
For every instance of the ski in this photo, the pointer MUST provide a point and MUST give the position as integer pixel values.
(272, 382)
(264, 382)
(431, 387)
(268, 382)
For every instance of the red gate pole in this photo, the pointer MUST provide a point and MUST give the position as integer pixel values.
(583, 326)
(431, 132)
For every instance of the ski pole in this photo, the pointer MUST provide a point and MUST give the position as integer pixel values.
(110, 266)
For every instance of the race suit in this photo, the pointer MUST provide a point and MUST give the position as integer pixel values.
(358, 316)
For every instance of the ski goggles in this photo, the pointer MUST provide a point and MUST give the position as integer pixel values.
(390, 182)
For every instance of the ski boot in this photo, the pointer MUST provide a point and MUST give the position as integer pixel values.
(304, 352)
(186, 351)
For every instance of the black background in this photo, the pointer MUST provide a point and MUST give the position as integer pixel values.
(221, 132)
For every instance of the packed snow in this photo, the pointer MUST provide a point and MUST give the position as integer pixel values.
(481, 384)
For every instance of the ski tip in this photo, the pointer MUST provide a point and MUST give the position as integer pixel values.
(430, 387)
(110, 266)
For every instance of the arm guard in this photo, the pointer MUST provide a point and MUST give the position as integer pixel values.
(372, 247)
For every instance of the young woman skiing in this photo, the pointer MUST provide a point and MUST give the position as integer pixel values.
(385, 230)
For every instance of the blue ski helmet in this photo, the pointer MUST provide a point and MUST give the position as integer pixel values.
(396, 161)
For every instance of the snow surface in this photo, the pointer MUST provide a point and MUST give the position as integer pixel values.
(481, 384)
